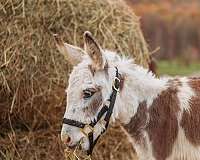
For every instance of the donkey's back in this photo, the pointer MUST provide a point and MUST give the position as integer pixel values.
(169, 128)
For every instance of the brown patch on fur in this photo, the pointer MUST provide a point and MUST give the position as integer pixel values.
(122, 79)
(106, 68)
(94, 103)
(138, 123)
(163, 123)
(159, 121)
(191, 120)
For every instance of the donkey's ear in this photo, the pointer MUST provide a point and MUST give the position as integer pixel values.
(94, 51)
(71, 53)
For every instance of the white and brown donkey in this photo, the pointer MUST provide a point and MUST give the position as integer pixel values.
(162, 116)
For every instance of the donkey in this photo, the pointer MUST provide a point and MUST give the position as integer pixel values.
(160, 115)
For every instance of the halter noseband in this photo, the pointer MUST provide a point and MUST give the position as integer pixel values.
(88, 129)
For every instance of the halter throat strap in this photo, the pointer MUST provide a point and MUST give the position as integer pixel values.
(108, 109)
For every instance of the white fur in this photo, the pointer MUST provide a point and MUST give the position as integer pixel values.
(144, 151)
(183, 149)
(185, 94)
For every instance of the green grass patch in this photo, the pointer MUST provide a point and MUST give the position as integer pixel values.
(177, 68)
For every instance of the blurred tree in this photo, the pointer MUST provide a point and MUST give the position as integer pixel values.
(173, 25)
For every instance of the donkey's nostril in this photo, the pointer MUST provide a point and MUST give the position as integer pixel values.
(66, 140)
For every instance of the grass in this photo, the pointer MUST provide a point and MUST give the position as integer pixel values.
(175, 67)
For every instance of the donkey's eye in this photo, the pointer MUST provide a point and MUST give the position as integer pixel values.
(87, 93)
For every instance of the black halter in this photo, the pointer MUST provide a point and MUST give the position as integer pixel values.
(88, 129)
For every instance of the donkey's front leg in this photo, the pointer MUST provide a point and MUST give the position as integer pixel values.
(141, 144)
(143, 148)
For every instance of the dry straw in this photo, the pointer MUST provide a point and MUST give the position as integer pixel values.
(33, 75)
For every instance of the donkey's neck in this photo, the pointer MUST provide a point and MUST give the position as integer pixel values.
(139, 85)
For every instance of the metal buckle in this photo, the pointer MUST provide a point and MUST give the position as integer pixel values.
(87, 129)
(116, 89)
(103, 124)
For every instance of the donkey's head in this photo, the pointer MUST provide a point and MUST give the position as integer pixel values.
(90, 85)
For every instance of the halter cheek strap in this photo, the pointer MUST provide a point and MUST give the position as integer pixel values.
(88, 129)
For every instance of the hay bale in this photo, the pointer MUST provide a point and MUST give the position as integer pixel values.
(33, 75)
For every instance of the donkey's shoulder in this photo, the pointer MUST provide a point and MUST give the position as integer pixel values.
(191, 117)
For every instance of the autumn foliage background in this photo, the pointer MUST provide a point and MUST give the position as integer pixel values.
(172, 25)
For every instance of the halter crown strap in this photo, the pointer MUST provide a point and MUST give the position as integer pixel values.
(105, 109)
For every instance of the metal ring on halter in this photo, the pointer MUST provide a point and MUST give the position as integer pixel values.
(114, 82)
(87, 129)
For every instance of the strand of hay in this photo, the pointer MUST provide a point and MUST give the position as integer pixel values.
(33, 75)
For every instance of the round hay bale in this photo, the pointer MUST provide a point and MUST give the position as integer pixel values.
(33, 75)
